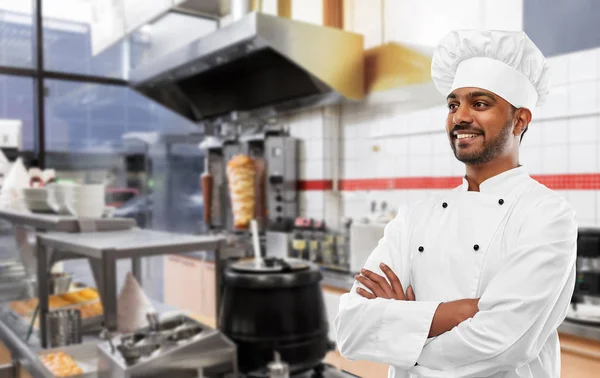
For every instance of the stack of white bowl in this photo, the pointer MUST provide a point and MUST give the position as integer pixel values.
(36, 200)
(61, 197)
(84, 201)
(89, 200)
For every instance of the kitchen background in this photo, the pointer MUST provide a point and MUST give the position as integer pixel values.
(356, 160)
(398, 154)
(391, 147)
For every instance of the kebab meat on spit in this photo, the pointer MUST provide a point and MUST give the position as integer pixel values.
(241, 174)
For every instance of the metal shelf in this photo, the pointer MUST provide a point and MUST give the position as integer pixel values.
(49, 222)
(127, 244)
(103, 249)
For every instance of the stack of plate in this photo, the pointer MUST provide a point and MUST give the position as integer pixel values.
(36, 200)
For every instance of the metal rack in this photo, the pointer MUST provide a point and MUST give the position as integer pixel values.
(103, 249)
(48, 222)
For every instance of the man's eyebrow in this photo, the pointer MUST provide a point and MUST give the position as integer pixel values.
(482, 94)
(474, 94)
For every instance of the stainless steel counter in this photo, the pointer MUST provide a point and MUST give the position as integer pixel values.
(338, 280)
(103, 249)
(580, 330)
(13, 332)
(49, 222)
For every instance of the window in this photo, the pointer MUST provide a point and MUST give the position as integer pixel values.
(16, 103)
(16, 33)
(68, 41)
(91, 117)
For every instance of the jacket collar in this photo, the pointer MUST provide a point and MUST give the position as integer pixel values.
(501, 183)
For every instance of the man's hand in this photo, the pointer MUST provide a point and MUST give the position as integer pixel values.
(379, 286)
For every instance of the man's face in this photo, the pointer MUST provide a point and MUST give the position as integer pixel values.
(479, 125)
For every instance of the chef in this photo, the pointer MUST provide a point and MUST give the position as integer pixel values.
(473, 282)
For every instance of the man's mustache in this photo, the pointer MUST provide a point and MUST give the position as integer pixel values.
(466, 127)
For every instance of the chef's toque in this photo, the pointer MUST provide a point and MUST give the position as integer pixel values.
(506, 63)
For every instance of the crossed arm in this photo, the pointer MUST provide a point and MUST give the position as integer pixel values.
(447, 315)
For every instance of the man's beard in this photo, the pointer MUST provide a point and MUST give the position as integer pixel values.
(489, 149)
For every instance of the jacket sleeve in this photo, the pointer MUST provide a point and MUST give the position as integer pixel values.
(384, 330)
(522, 306)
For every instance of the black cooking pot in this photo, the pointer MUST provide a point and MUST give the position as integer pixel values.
(276, 305)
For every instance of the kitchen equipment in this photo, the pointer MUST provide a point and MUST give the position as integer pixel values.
(64, 327)
(275, 157)
(328, 250)
(231, 148)
(281, 154)
(585, 303)
(174, 346)
(364, 237)
(300, 238)
(215, 167)
(60, 282)
(206, 183)
(255, 242)
(83, 355)
(270, 301)
(278, 368)
(253, 145)
(278, 244)
(209, 77)
(316, 241)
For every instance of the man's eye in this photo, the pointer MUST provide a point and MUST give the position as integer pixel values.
(480, 104)
(452, 106)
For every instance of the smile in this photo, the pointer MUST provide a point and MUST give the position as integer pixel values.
(464, 136)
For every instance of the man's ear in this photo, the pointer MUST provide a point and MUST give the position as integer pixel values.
(522, 118)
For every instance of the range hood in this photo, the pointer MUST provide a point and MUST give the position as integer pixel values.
(261, 64)
(207, 8)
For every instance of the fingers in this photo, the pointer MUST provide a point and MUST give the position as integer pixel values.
(373, 286)
(410, 294)
(381, 281)
(398, 291)
(362, 292)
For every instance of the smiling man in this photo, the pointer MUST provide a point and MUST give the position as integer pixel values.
(474, 282)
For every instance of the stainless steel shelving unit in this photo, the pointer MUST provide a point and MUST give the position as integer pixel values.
(49, 222)
(24, 352)
(42, 223)
(103, 249)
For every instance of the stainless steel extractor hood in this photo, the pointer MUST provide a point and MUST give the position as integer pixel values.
(208, 8)
(260, 64)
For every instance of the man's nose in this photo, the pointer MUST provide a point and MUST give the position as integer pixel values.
(462, 115)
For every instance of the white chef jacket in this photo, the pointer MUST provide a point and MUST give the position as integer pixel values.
(513, 244)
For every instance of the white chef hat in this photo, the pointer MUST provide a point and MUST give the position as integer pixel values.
(506, 63)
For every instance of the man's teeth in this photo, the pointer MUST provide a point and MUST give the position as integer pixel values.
(463, 136)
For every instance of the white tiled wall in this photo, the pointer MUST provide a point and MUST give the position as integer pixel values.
(375, 143)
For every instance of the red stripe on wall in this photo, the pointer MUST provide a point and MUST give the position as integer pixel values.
(586, 181)
(581, 181)
(315, 185)
(401, 183)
